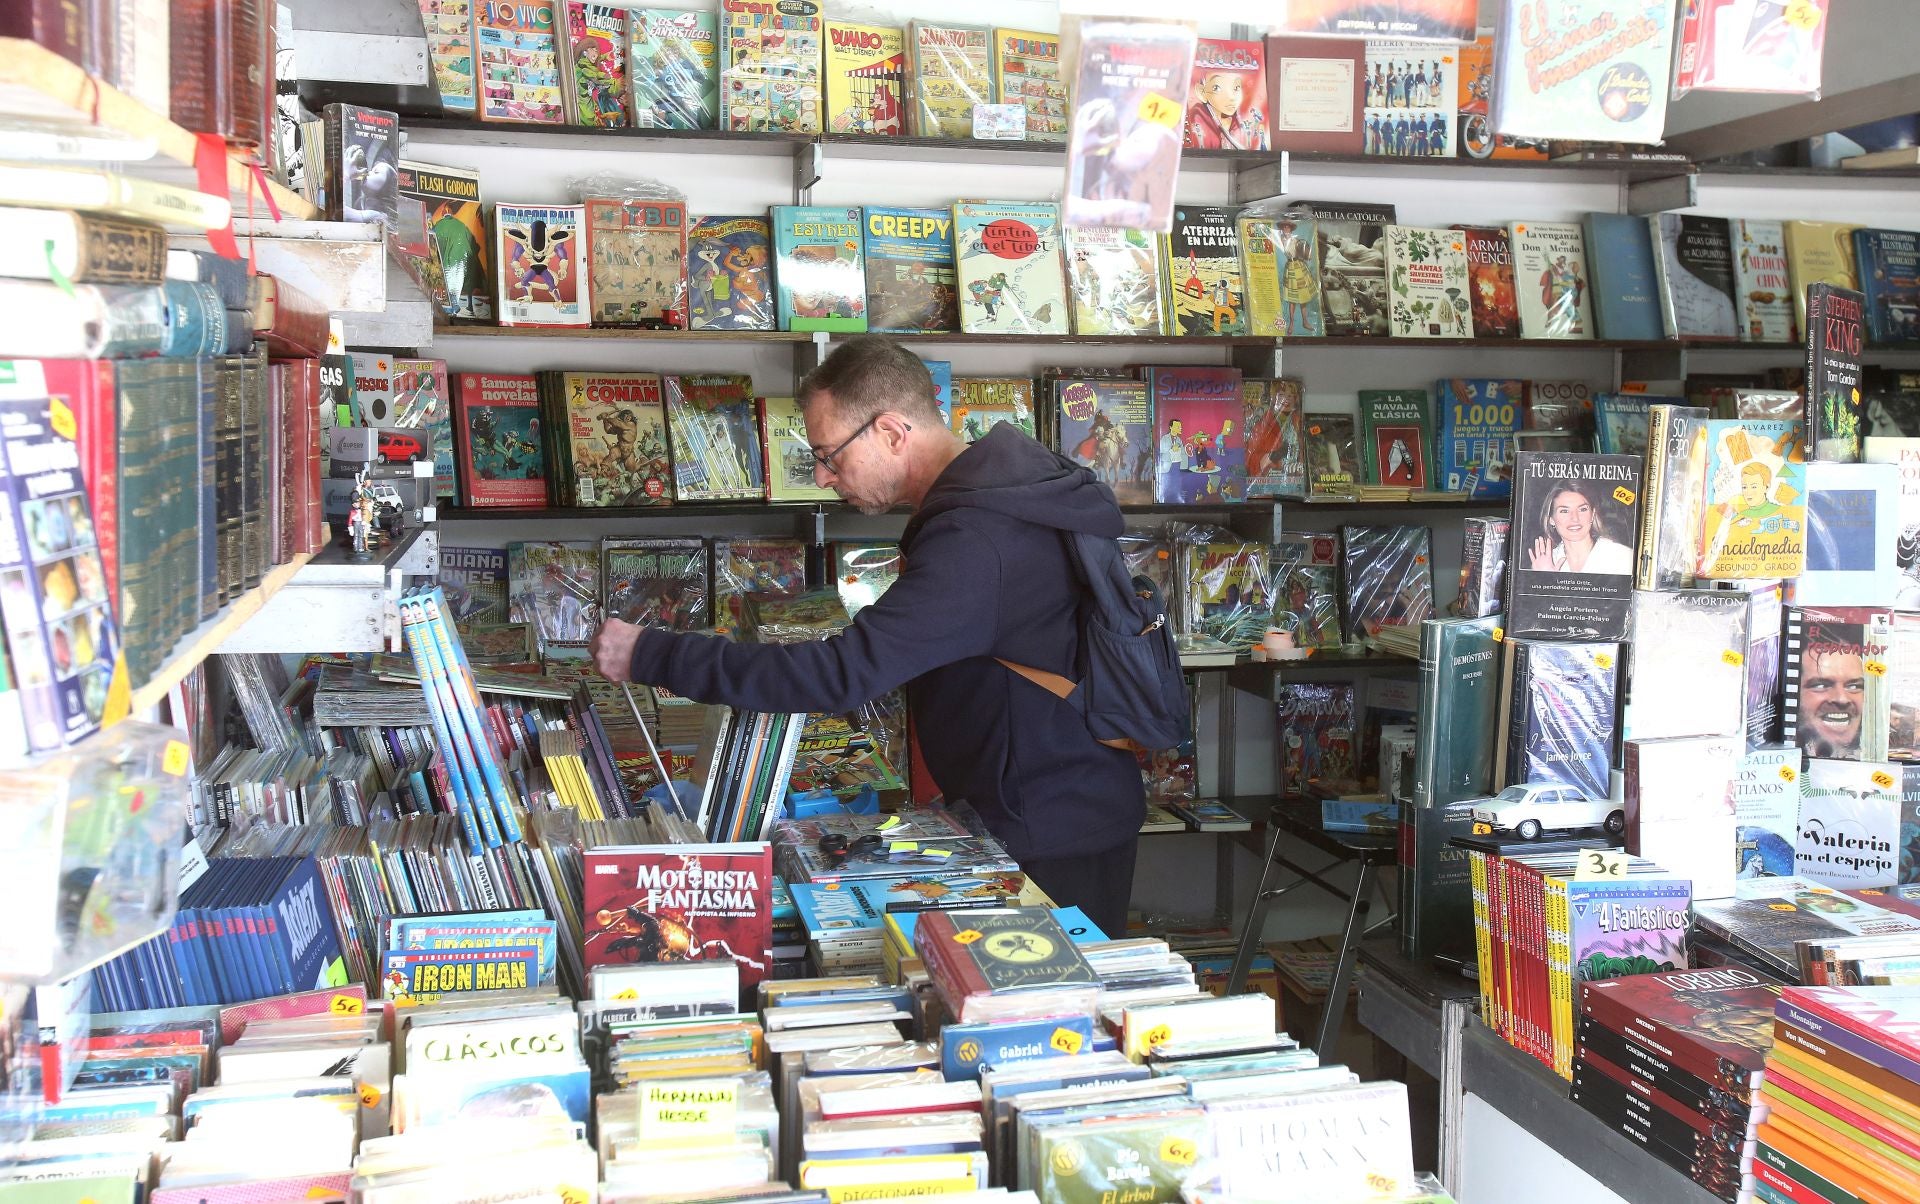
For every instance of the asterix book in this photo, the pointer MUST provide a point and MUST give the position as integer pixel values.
(1763, 290)
(673, 69)
(541, 250)
(1575, 519)
(1319, 732)
(1410, 98)
(820, 268)
(1490, 286)
(637, 254)
(1889, 266)
(1557, 711)
(474, 581)
(362, 149)
(1388, 573)
(1332, 456)
(1305, 584)
(1199, 415)
(1226, 591)
(1124, 137)
(1107, 425)
(1029, 72)
(952, 72)
(1836, 337)
(715, 437)
(1395, 427)
(1280, 263)
(1011, 277)
(1427, 283)
(672, 903)
(448, 25)
(789, 457)
(1353, 276)
(1753, 522)
(866, 76)
(656, 582)
(497, 441)
(730, 274)
(748, 569)
(910, 276)
(517, 64)
(770, 66)
(982, 402)
(1200, 266)
(448, 258)
(1227, 97)
(610, 435)
(1550, 273)
(1849, 833)
(1585, 70)
(1115, 278)
(594, 62)
(1276, 466)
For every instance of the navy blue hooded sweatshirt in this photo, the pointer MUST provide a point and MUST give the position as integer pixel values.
(986, 575)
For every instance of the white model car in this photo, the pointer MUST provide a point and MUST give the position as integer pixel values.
(1530, 808)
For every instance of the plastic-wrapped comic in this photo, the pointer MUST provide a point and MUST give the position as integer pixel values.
(730, 274)
(1550, 275)
(595, 63)
(474, 581)
(716, 438)
(637, 254)
(674, 68)
(448, 25)
(1483, 568)
(820, 268)
(1028, 65)
(1115, 278)
(797, 617)
(1200, 266)
(770, 66)
(1123, 155)
(1319, 734)
(1275, 464)
(982, 402)
(1389, 578)
(1583, 70)
(1149, 554)
(866, 78)
(1332, 457)
(952, 72)
(1305, 573)
(1753, 522)
(910, 278)
(555, 587)
(1738, 46)
(788, 457)
(1225, 586)
(1012, 279)
(1691, 676)
(1558, 719)
(863, 571)
(450, 261)
(746, 569)
(656, 582)
(1280, 260)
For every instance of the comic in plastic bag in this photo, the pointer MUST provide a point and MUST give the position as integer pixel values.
(637, 254)
(674, 74)
(1306, 588)
(1123, 155)
(1149, 554)
(1280, 260)
(660, 582)
(795, 618)
(1206, 294)
(1029, 68)
(1550, 275)
(952, 72)
(555, 587)
(1275, 464)
(730, 274)
(754, 568)
(716, 438)
(1332, 457)
(820, 274)
(1389, 578)
(475, 583)
(1115, 277)
(982, 402)
(863, 571)
(1225, 586)
(1319, 734)
(771, 64)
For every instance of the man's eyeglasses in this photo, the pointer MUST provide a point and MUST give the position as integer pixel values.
(830, 460)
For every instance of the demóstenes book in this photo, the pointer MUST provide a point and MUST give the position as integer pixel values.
(1575, 518)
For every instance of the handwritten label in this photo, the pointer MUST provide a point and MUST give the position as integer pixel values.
(1603, 660)
(1066, 1041)
(1482, 829)
(369, 1096)
(1600, 865)
(175, 758)
(683, 1109)
(1623, 495)
(967, 937)
(1159, 110)
(1782, 907)
(1876, 668)
(1804, 14)
(1733, 657)
(61, 418)
(345, 1005)
(1178, 1151)
(1882, 779)
(629, 993)
(1159, 1034)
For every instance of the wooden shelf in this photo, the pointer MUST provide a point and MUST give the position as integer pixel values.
(39, 84)
(458, 514)
(207, 638)
(632, 333)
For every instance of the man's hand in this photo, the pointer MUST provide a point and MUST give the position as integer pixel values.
(612, 649)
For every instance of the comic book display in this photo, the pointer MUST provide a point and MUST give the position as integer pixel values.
(820, 268)
(730, 274)
(674, 73)
(1319, 735)
(982, 402)
(1107, 425)
(449, 258)
(656, 582)
(1114, 275)
(1012, 279)
(517, 64)
(497, 440)
(594, 63)
(542, 255)
(1199, 419)
(1028, 65)
(1306, 588)
(952, 72)
(682, 902)
(1201, 266)
(609, 431)
(910, 275)
(866, 78)
(1225, 587)
(716, 438)
(555, 588)
(637, 254)
(1227, 97)
(1276, 464)
(770, 73)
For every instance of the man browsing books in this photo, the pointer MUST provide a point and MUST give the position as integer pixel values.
(986, 581)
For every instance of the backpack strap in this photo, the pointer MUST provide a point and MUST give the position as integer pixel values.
(1066, 691)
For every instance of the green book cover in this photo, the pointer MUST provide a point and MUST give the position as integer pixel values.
(1396, 427)
(1140, 1160)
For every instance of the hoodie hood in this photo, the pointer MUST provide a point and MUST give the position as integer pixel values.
(1008, 472)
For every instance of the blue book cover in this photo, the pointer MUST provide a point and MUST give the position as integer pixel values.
(1889, 264)
(857, 903)
(1561, 726)
(965, 1048)
(1626, 288)
(910, 278)
(942, 373)
(819, 268)
(1620, 422)
(1473, 426)
(1852, 530)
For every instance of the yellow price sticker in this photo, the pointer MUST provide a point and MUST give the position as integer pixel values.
(942, 854)
(1603, 660)
(893, 821)
(1178, 1151)
(369, 1096)
(968, 1052)
(1734, 657)
(346, 1005)
(1159, 110)
(1804, 14)
(175, 758)
(1482, 829)
(1499, 633)
(1882, 779)
(1159, 1034)
(1066, 1041)
(1600, 865)
(967, 937)
(904, 846)
(1782, 907)
(60, 416)
(322, 1193)
(1876, 668)
(1623, 495)
(629, 993)
(574, 1195)
(1788, 773)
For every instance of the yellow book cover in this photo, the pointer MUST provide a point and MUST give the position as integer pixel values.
(1560, 974)
(866, 79)
(1754, 521)
(1028, 65)
(889, 1177)
(952, 72)
(1819, 252)
(1482, 934)
(1260, 264)
(789, 466)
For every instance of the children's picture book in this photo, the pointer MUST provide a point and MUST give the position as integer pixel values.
(637, 255)
(1115, 278)
(615, 434)
(1575, 519)
(1199, 419)
(542, 253)
(715, 432)
(690, 902)
(1107, 425)
(449, 260)
(1276, 466)
(981, 403)
(1889, 266)
(1227, 97)
(1353, 276)
(1124, 140)
(1695, 263)
(1627, 278)
(730, 274)
(770, 75)
(910, 274)
(1396, 430)
(1410, 99)
(1550, 273)
(1319, 734)
(1474, 422)
(658, 582)
(1201, 264)
(1763, 288)
(952, 72)
(448, 25)
(1818, 253)
(1754, 521)
(517, 64)
(594, 63)
(1028, 67)
(1332, 456)
(1012, 280)
(363, 149)
(1226, 591)
(496, 435)
(1836, 338)
(1585, 70)
(1427, 283)
(866, 78)
(1490, 286)
(819, 268)
(1280, 260)
(673, 73)
(789, 457)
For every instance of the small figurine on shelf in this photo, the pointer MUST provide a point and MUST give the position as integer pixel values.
(374, 515)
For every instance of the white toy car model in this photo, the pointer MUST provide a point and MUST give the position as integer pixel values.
(1531, 808)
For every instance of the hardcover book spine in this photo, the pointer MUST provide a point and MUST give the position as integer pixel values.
(253, 481)
(1647, 558)
(119, 252)
(231, 450)
(138, 464)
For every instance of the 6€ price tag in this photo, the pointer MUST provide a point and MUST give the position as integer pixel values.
(1600, 865)
(1066, 1041)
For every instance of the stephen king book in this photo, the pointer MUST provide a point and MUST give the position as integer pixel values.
(1575, 518)
(666, 903)
(1836, 337)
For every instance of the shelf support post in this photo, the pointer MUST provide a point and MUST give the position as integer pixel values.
(1659, 195)
(809, 161)
(1250, 182)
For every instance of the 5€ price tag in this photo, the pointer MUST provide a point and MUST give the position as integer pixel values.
(1601, 865)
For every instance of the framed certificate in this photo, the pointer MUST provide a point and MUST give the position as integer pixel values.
(1316, 88)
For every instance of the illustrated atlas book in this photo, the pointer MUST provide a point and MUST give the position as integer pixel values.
(1695, 263)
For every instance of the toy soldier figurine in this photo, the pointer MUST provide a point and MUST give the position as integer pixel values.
(360, 515)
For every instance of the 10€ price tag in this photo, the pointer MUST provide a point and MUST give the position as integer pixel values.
(1601, 865)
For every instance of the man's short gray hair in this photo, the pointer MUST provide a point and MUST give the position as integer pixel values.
(871, 374)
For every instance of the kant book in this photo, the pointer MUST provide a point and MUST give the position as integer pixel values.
(688, 902)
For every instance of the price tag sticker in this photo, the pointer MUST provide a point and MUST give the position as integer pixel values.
(1876, 668)
(903, 846)
(174, 758)
(1603, 660)
(1066, 1041)
(1733, 657)
(1482, 829)
(1159, 110)
(1601, 865)
(1782, 907)
(1804, 14)
(941, 854)
(1159, 1034)
(345, 1005)
(967, 936)
(1499, 633)
(1178, 1151)
(574, 1195)
(1788, 773)
(629, 993)
(893, 821)
(369, 1096)
(1623, 495)
(1882, 779)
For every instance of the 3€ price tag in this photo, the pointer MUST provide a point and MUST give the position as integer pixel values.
(1601, 865)
(688, 1109)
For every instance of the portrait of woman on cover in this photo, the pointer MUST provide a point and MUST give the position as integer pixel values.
(1572, 539)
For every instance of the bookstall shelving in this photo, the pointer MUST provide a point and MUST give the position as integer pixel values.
(210, 635)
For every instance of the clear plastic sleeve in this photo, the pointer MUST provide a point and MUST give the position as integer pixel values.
(770, 75)
(1305, 583)
(1389, 575)
(749, 569)
(1114, 276)
(655, 582)
(730, 274)
(636, 249)
(1214, 1181)
(952, 72)
(556, 588)
(1224, 584)
(1743, 46)
(1123, 155)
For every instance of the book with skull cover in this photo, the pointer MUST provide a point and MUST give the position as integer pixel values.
(1396, 426)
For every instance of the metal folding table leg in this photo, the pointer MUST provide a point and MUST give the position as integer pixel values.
(1256, 916)
(1335, 1008)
